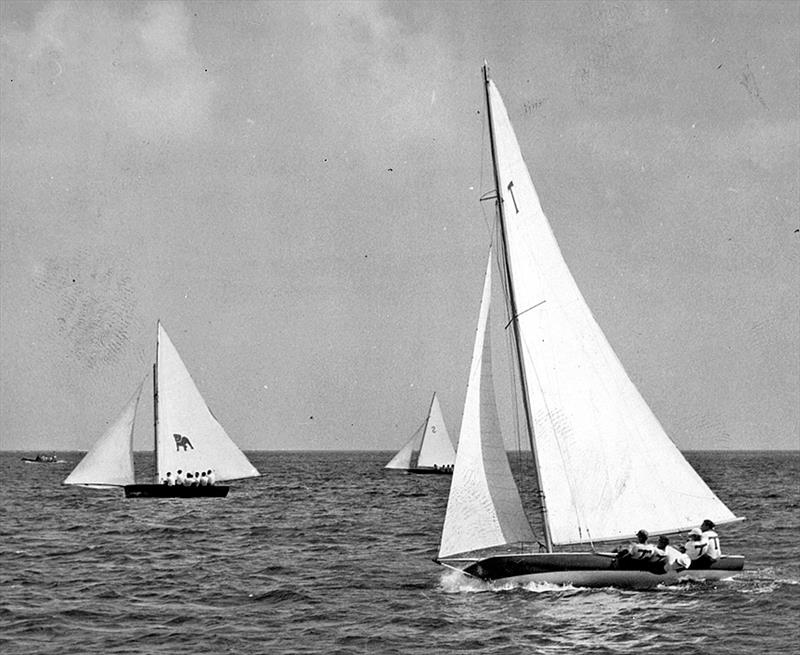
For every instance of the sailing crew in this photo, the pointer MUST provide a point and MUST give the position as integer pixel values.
(670, 557)
(179, 479)
(196, 482)
(188, 481)
(713, 551)
(168, 480)
(696, 548)
(204, 479)
(211, 477)
(640, 549)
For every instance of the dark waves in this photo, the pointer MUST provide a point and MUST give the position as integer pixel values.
(328, 553)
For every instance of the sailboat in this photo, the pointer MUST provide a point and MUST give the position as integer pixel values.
(188, 440)
(430, 443)
(604, 465)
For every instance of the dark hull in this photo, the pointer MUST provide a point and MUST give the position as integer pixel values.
(164, 491)
(430, 469)
(587, 570)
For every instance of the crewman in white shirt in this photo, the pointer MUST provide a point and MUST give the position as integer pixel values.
(640, 549)
(713, 551)
(696, 547)
(670, 557)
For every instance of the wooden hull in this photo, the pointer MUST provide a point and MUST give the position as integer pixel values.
(586, 570)
(164, 491)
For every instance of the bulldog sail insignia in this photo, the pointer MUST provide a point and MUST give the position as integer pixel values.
(190, 444)
(604, 465)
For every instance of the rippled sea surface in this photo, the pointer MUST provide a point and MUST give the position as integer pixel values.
(328, 553)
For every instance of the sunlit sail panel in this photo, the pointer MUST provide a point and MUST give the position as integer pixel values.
(189, 437)
(607, 467)
(436, 449)
(484, 507)
(109, 462)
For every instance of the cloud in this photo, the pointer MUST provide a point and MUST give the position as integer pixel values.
(383, 62)
(86, 68)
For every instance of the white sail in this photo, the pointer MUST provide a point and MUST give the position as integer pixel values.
(402, 460)
(607, 467)
(188, 437)
(484, 508)
(109, 462)
(436, 448)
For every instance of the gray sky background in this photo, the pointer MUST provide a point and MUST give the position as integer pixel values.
(292, 188)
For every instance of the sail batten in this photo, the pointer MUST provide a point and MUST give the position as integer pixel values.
(606, 465)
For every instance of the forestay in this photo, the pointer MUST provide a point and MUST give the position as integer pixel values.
(188, 436)
(109, 462)
(607, 466)
(436, 449)
(484, 507)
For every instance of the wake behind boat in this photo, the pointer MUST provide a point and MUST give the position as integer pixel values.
(604, 465)
(189, 442)
(429, 450)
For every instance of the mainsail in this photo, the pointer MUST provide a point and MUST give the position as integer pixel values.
(188, 436)
(606, 466)
(484, 507)
(436, 448)
(109, 462)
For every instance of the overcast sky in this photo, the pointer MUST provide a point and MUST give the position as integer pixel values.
(293, 189)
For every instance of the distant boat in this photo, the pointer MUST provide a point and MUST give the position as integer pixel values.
(429, 450)
(43, 459)
(604, 465)
(187, 439)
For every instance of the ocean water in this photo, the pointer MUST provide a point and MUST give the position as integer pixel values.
(328, 553)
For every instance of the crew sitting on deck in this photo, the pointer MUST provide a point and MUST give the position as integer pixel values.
(696, 549)
(211, 477)
(204, 479)
(713, 551)
(189, 481)
(640, 549)
(636, 553)
(179, 479)
(669, 557)
(168, 480)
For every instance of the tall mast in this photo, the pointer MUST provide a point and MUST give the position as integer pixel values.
(155, 405)
(506, 266)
